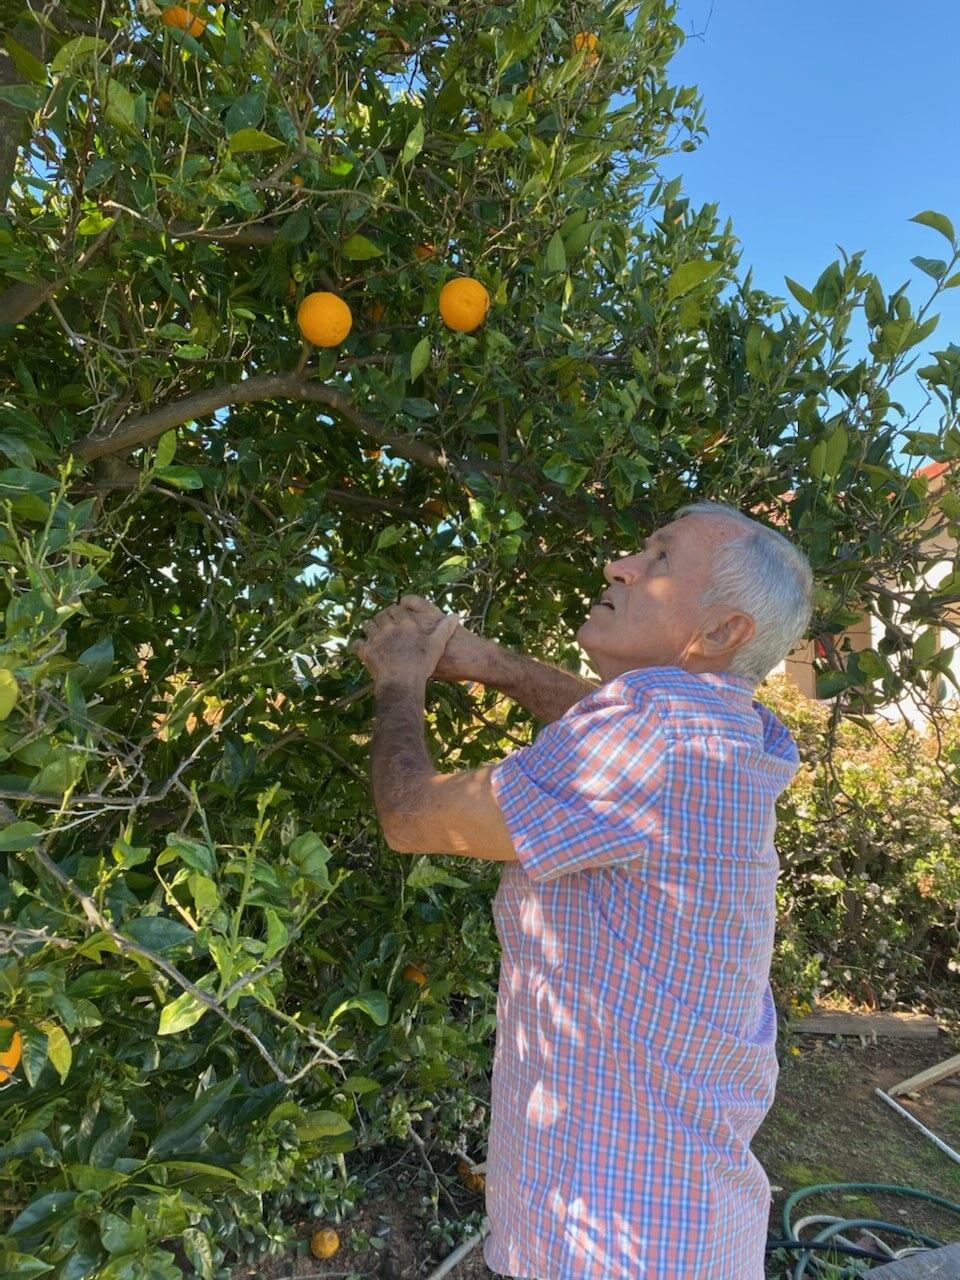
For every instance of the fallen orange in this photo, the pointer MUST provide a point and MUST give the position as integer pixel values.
(325, 1243)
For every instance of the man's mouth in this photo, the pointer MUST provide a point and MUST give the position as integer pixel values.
(607, 604)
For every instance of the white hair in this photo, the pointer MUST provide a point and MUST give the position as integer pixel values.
(764, 575)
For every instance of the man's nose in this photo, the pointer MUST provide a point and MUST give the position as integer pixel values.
(623, 570)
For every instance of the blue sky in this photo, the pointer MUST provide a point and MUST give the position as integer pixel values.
(831, 122)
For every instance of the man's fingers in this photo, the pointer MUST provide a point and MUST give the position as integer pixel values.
(447, 626)
(416, 604)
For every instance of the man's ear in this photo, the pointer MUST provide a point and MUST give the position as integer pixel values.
(724, 635)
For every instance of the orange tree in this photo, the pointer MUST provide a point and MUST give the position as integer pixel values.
(202, 945)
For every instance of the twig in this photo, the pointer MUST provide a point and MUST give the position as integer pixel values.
(128, 947)
(441, 1189)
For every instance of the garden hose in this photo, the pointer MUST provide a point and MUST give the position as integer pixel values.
(824, 1239)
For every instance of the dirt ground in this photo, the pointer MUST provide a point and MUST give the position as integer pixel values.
(826, 1126)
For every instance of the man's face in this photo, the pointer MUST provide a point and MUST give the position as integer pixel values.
(650, 614)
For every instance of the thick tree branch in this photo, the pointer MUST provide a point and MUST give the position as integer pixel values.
(20, 300)
(133, 433)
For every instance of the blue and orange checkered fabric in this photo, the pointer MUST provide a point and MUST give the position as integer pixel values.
(635, 1039)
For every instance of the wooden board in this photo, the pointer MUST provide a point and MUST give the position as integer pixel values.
(901, 1026)
(933, 1264)
(948, 1067)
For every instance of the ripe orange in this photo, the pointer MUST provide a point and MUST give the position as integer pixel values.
(10, 1057)
(324, 319)
(424, 251)
(463, 1166)
(475, 1182)
(184, 20)
(376, 312)
(464, 304)
(414, 973)
(325, 1243)
(586, 40)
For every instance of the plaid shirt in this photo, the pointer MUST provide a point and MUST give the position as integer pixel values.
(635, 1043)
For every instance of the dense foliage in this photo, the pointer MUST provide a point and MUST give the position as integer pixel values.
(202, 944)
(868, 839)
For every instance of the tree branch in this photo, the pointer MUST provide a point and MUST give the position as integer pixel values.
(133, 433)
(20, 300)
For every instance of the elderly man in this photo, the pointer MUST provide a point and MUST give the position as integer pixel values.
(635, 1042)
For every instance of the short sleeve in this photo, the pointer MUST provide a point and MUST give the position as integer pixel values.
(586, 793)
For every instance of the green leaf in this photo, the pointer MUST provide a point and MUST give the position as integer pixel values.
(112, 1143)
(59, 1050)
(321, 1124)
(41, 1215)
(166, 448)
(372, 1003)
(192, 852)
(17, 480)
(180, 1134)
(27, 63)
(310, 856)
(198, 1248)
(413, 144)
(934, 267)
(938, 222)
(9, 693)
(360, 1085)
(158, 933)
(925, 646)
(25, 97)
(25, 1143)
(22, 1265)
(689, 275)
(180, 477)
(277, 935)
(418, 407)
(803, 296)
(180, 1014)
(419, 358)
(835, 452)
(389, 537)
(564, 471)
(34, 1053)
(427, 872)
(76, 51)
(18, 836)
(120, 107)
(830, 683)
(246, 112)
(252, 140)
(358, 248)
(95, 664)
(295, 229)
(818, 459)
(556, 254)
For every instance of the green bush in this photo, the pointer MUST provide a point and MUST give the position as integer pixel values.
(869, 890)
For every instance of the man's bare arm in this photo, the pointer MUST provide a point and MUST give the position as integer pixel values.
(420, 810)
(545, 691)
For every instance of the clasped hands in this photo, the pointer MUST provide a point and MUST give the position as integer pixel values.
(411, 641)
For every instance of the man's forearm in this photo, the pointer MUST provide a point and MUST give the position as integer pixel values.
(545, 691)
(400, 765)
